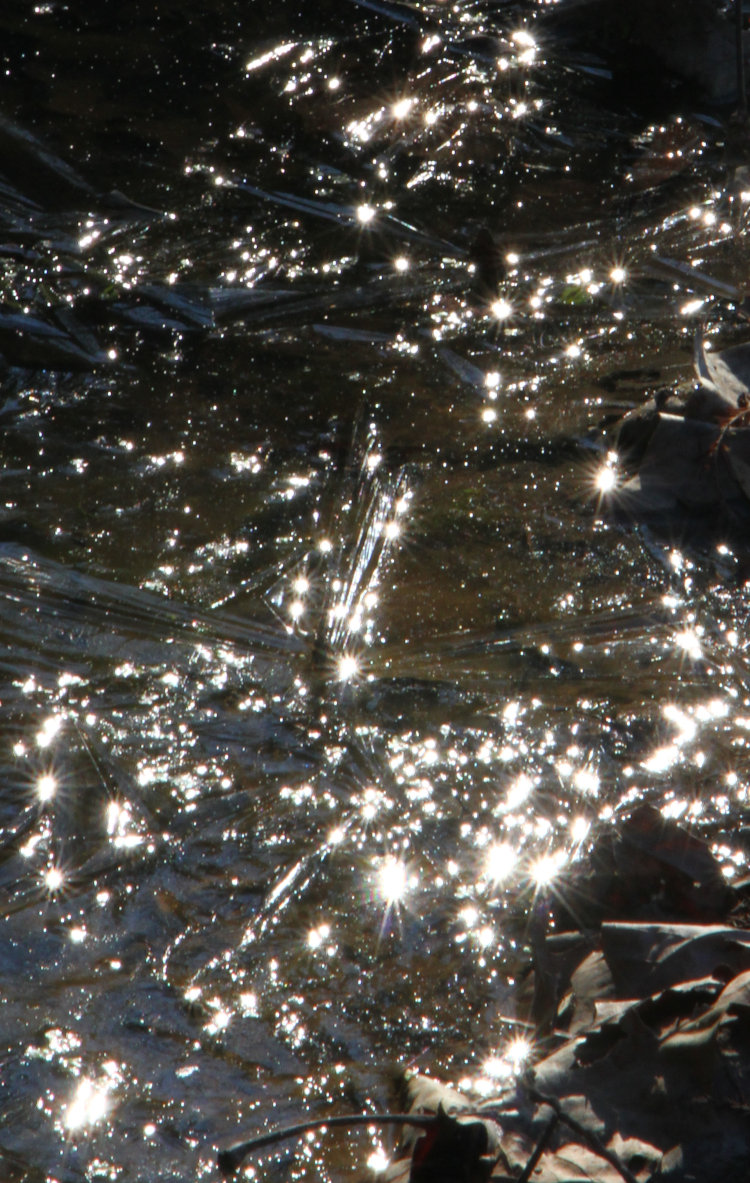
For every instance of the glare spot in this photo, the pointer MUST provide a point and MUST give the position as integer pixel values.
(469, 915)
(662, 759)
(523, 37)
(500, 860)
(347, 668)
(618, 275)
(296, 609)
(365, 214)
(318, 936)
(501, 309)
(546, 868)
(392, 880)
(519, 791)
(89, 1105)
(518, 1052)
(692, 306)
(402, 108)
(402, 263)
(248, 1004)
(378, 1161)
(496, 1068)
(689, 642)
(586, 780)
(485, 936)
(53, 879)
(579, 829)
(606, 479)
(48, 731)
(46, 787)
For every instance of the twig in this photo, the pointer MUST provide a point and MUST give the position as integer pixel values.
(231, 1159)
(741, 89)
(539, 1149)
(592, 1141)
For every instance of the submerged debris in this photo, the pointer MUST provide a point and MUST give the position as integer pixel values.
(650, 1020)
(689, 452)
(642, 1030)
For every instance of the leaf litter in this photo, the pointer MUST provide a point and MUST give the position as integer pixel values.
(641, 1034)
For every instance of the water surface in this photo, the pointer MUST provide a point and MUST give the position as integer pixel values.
(321, 663)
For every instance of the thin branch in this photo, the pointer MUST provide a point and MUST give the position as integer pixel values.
(539, 1149)
(741, 88)
(231, 1159)
(592, 1141)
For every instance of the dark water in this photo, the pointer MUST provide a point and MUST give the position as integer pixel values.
(319, 664)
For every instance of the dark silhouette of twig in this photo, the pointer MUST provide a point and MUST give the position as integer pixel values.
(741, 88)
(539, 1149)
(592, 1141)
(231, 1159)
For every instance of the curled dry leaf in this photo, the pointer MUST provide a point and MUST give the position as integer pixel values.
(691, 452)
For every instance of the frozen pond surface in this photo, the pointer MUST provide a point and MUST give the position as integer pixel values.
(320, 664)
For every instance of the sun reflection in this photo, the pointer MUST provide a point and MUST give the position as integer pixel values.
(378, 1160)
(46, 787)
(53, 879)
(499, 861)
(319, 938)
(546, 868)
(365, 214)
(401, 109)
(48, 731)
(347, 668)
(688, 640)
(519, 791)
(501, 309)
(518, 1051)
(392, 880)
(90, 1104)
(606, 478)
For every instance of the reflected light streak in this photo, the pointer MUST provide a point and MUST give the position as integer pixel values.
(519, 791)
(662, 759)
(48, 731)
